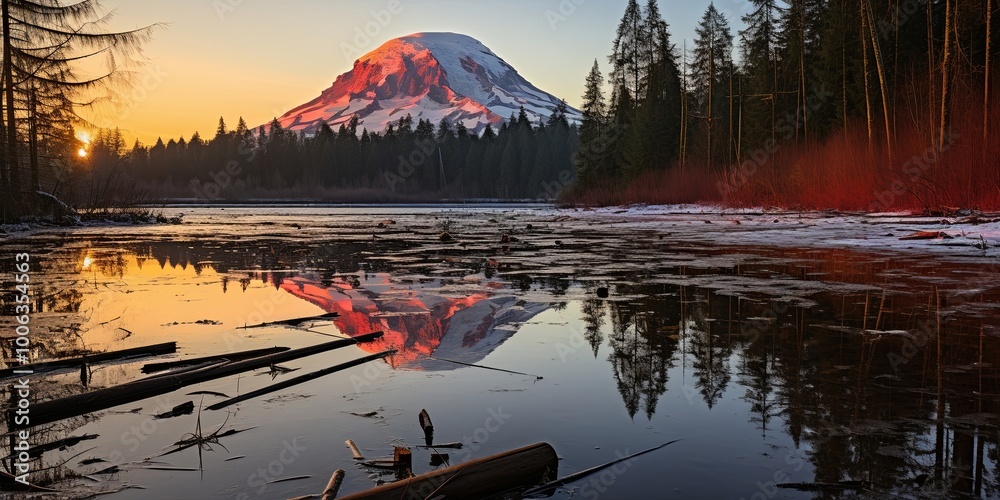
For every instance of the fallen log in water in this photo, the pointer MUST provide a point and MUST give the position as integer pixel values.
(427, 426)
(454, 445)
(233, 356)
(355, 451)
(284, 384)
(330, 493)
(72, 406)
(281, 357)
(68, 442)
(294, 321)
(474, 479)
(149, 350)
(837, 486)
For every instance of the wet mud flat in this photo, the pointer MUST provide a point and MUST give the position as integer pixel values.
(796, 355)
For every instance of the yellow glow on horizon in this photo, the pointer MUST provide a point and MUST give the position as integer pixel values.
(84, 137)
(82, 153)
(87, 261)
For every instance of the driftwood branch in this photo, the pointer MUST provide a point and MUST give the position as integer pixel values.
(72, 406)
(149, 350)
(284, 384)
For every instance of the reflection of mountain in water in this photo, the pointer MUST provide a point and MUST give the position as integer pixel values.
(418, 321)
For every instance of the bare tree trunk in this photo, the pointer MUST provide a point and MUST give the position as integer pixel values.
(4, 174)
(889, 139)
(739, 128)
(895, 58)
(802, 87)
(864, 49)
(932, 117)
(946, 73)
(774, 96)
(11, 150)
(684, 106)
(711, 88)
(36, 182)
(843, 82)
(986, 83)
(730, 117)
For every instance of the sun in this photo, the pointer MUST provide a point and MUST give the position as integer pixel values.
(83, 137)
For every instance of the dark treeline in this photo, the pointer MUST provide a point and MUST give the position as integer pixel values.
(893, 77)
(409, 160)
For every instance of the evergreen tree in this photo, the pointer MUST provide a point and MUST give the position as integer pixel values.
(488, 133)
(221, 131)
(711, 68)
(591, 155)
(758, 45)
(627, 51)
(654, 136)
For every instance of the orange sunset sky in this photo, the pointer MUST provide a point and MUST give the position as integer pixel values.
(258, 59)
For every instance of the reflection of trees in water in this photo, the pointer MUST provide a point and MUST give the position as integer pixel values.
(113, 266)
(711, 351)
(641, 350)
(992, 487)
(593, 318)
(757, 375)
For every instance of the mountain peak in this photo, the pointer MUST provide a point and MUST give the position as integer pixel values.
(432, 76)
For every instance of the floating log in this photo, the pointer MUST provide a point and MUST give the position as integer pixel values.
(333, 487)
(380, 463)
(425, 421)
(68, 442)
(300, 379)
(427, 426)
(181, 409)
(281, 357)
(474, 479)
(187, 369)
(355, 451)
(72, 406)
(54, 364)
(294, 321)
(233, 356)
(455, 445)
(837, 486)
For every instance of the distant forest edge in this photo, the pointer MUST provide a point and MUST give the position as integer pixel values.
(409, 161)
(844, 104)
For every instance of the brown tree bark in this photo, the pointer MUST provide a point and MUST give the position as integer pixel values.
(946, 73)
(986, 83)
(864, 50)
(889, 139)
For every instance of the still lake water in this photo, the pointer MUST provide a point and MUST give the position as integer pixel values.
(863, 374)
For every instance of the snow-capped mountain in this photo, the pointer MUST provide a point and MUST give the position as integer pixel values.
(430, 76)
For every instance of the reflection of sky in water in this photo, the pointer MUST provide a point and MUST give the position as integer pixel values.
(757, 361)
